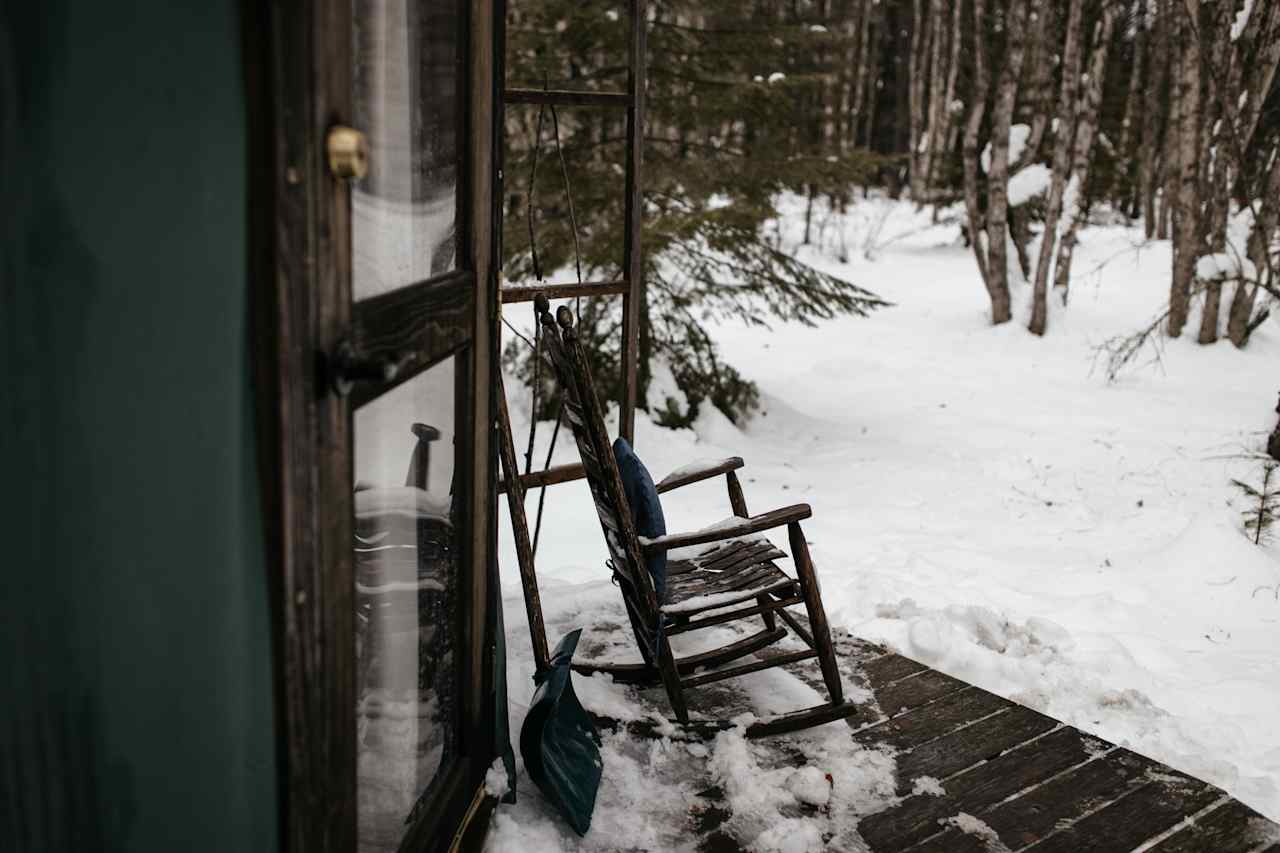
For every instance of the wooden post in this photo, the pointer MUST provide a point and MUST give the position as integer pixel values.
(520, 530)
(736, 498)
(632, 257)
(739, 503)
(817, 615)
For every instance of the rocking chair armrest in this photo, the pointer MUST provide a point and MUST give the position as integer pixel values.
(728, 530)
(699, 471)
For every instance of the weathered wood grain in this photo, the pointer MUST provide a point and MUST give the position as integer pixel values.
(742, 669)
(635, 673)
(1133, 818)
(1232, 827)
(965, 747)
(527, 293)
(418, 325)
(731, 616)
(633, 302)
(918, 689)
(695, 475)
(754, 551)
(932, 721)
(755, 524)
(1038, 785)
(819, 631)
(977, 790)
(889, 668)
(802, 630)
(520, 533)
(749, 576)
(1035, 814)
(737, 500)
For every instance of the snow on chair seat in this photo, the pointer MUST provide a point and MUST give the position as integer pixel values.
(725, 574)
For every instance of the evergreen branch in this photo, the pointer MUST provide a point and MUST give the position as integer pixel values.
(1246, 488)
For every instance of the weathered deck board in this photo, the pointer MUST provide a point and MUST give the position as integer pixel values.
(970, 792)
(919, 689)
(886, 669)
(969, 745)
(1038, 785)
(1038, 813)
(1134, 818)
(1231, 827)
(929, 722)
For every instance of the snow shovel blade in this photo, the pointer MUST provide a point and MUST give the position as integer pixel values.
(559, 742)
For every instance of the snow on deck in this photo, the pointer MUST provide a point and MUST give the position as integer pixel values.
(985, 504)
(925, 760)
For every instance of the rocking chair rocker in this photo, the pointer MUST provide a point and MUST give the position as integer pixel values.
(720, 575)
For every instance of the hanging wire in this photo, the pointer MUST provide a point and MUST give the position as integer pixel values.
(577, 309)
(573, 218)
(537, 383)
(536, 343)
(537, 272)
(519, 334)
(542, 490)
(533, 188)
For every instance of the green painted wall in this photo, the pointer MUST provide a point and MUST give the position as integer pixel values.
(134, 621)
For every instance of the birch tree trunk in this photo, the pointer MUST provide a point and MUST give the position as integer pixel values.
(1126, 193)
(1216, 176)
(854, 20)
(945, 139)
(1265, 224)
(1250, 72)
(998, 179)
(1037, 96)
(1149, 178)
(1062, 148)
(954, 108)
(1187, 224)
(1171, 171)
(934, 99)
(1088, 115)
(917, 77)
(865, 54)
(973, 126)
(1042, 54)
(873, 81)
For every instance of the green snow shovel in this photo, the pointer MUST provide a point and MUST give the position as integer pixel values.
(559, 742)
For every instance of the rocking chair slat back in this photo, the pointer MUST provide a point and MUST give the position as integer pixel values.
(585, 418)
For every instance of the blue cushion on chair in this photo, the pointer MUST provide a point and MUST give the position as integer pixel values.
(646, 509)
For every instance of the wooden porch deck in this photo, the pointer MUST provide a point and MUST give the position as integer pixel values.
(1038, 784)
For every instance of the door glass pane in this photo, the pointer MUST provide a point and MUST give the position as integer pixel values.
(404, 211)
(407, 628)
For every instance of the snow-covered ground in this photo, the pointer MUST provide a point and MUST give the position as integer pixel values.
(984, 503)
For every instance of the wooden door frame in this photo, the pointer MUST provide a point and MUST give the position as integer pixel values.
(297, 57)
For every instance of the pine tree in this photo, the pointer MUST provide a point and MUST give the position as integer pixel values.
(1264, 502)
(736, 107)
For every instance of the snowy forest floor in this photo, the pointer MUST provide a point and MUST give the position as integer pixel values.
(984, 503)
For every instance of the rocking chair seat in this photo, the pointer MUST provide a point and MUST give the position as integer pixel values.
(725, 573)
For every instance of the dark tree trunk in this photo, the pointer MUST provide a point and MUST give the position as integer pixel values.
(1149, 178)
(1088, 115)
(973, 126)
(998, 180)
(1062, 148)
(1188, 209)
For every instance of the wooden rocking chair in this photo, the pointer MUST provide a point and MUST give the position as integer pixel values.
(732, 576)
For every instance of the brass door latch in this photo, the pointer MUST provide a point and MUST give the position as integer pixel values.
(348, 152)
